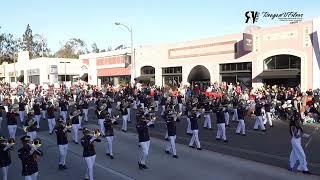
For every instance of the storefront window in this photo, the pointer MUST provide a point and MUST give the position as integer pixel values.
(147, 70)
(282, 62)
(172, 76)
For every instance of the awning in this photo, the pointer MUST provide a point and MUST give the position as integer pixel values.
(149, 77)
(279, 74)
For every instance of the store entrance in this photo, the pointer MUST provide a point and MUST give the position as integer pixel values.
(199, 75)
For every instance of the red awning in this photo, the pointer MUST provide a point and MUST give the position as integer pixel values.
(114, 71)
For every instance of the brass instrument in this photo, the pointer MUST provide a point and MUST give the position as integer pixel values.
(75, 113)
(30, 124)
(9, 142)
(36, 143)
(102, 108)
(68, 125)
(95, 133)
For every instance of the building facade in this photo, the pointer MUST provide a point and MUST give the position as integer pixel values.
(113, 67)
(42, 70)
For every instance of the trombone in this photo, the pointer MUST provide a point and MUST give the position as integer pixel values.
(94, 133)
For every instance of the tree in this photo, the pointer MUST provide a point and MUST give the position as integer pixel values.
(72, 49)
(95, 48)
(27, 41)
(109, 48)
(40, 46)
(8, 47)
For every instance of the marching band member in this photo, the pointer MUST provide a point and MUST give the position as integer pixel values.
(44, 107)
(109, 106)
(22, 109)
(85, 108)
(31, 126)
(124, 112)
(37, 113)
(171, 129)
(268, 118)
(235, 104)
(188, 111)
(108, 125)
(144, 140)
(80, 109)
(226, 115)
(75, 125)
(12, 122)
(5, 158)
(62, 141)
(156, 100)
(63, 104)
(297, 152)
(207, 116)
(258, 113)
(129, 110)
(179, 97)
(241, 111)
(221, 124)
(194, 127)
(51, 117)
(163, 104)
(101, 113)
(28, 155)
(89, 153)
(1, 118)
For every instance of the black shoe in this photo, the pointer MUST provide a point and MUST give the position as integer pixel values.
(209, 128)
(264, 130)
(306, 172)
(191, 146)
(217, 139)
(226, 141)
(190, 134)
(228, 125)
(51, 133)
(104, 136)
(244, 135)
(107, 154)
(60, 166)
(64, 167)
(86, 178)
(140, 165)
(167, 139)
(175, 156)
(271, 126)
(167, 152)
(238, 133)
(199, 149)
(111, 157)
(123, 130)
(144, 166)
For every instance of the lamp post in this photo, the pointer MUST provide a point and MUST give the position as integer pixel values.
(65, 70)
(133, 69)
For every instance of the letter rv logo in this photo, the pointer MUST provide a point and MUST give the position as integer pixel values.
(254, 15)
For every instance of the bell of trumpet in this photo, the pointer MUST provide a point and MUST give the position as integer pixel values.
(36, 142)
(68, 125)
(11, 141)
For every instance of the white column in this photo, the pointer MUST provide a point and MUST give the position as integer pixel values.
(92, 72)
(316, 53)
(158, 76)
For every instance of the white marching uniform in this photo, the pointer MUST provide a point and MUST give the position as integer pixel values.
(297, 153)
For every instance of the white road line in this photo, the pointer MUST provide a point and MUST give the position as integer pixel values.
(312, 134)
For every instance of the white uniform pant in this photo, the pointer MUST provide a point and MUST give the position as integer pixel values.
(189, 131)
(157, 106)
(75, 129)
(134, 104)
(33, 176)
(259, 123)
(5, 172)
(221, 132)
(12, 131)
(90, 162)
(51, 124)
(129, 114)
(144, 151)
(64, 116)
(195, 138)
(110, 111)
(142, 105)
(171, 145)
(109, 145)
(21, 115)
(124, 122)
(0, 124)
(297, 154)
(43, 114)
(85, 112)
(37, 118)
(235, 115)
(207, 121)
(180, 107)
(226, 118)
(241, 127)
(80, 121)
(268, 118)
(63, 150)
(32, 134)
(163, 109)
(101, 125)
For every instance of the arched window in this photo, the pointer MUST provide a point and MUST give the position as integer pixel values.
(283, 61)
(147, 70)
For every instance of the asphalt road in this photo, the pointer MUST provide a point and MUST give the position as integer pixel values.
(272, 148)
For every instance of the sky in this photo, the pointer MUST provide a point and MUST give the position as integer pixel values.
(153, 22)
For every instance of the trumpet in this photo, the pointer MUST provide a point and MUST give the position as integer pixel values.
(30, 124)
(9, 142)
(74, 114)
(68, 125)
(36, 143)
(95, 133)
